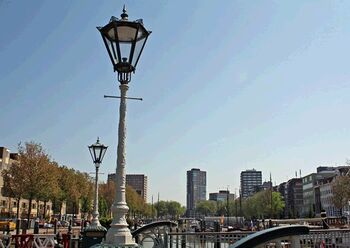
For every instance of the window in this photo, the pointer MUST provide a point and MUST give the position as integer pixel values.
(24, 205)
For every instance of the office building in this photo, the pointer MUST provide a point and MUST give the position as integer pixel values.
(138, 182)
(196, 189)
(221, 196)
(293, 198)
(312, 204)
(251, 182)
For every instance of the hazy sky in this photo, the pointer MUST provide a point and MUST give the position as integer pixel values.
(227, 86)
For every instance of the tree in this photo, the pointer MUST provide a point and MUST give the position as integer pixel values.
(33, 161)
(277, 204)
(174, 209)
(50, 188)
(260, 205)
(85, 206)
(103, 208)
(341, 192)
(206, 208)
(134, 201)
(107, 192)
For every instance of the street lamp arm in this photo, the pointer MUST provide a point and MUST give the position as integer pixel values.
(129, 98)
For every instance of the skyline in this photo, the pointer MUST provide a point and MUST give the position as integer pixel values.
(226, 87)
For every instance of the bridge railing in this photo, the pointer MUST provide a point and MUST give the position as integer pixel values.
(330, 238)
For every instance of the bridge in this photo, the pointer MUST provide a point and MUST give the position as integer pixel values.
(165, 234)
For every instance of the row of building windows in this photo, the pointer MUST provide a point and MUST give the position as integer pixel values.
(24, 205)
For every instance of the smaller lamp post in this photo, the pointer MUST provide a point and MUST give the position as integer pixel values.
(97, 152)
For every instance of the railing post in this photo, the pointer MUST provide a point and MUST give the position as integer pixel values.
(183, 240)
(36, 226)
(70, 235)
(177, 237)
(171, 238)
(217, 240)
(295, 241)
(165, 240)
(18, 225)
(137, 239)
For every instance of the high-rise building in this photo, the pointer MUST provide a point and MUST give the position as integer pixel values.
(196, 189)
(138, 182)
(251, 182)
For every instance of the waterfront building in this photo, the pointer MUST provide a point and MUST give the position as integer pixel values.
(251, 182)
(293, 198)
(222, 196)
(326, 197)
(196, 190)
(9, 205)
(139, 182)
(281, 188)
(312, 204)
(266, 185)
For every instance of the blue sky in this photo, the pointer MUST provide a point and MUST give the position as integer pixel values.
(227, 86)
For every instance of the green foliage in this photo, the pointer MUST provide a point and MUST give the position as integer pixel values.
(106, 222)
(102, 207)
(168, 209)
(85, 205)
(206, 208)
(260, 206)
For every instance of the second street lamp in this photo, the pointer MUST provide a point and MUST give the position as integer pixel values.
(124, 41)
(97, 152)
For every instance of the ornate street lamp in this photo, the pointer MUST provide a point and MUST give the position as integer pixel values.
(97, 152)
(124, 41)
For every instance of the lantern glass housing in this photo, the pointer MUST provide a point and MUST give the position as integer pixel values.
(97, 152)
(124, 41)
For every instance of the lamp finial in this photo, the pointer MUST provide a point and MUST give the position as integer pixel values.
(124, 15)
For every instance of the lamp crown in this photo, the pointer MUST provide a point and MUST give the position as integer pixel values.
(124, 15)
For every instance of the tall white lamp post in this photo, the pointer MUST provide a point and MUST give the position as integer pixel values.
(124, 41)
(97, 152)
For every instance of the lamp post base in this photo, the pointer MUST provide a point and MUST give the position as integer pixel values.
(119, 237)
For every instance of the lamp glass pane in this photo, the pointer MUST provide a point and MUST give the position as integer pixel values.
(142, 33)
(104, 149)
(112, 50)
(137, 51)
(111, 34)
(92, 153)
(125, 48)
(126, 33)
(97, 150)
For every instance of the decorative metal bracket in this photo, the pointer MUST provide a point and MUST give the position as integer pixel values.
(130, 98)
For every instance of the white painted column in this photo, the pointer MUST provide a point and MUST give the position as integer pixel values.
(95, 214)
(119, 234)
